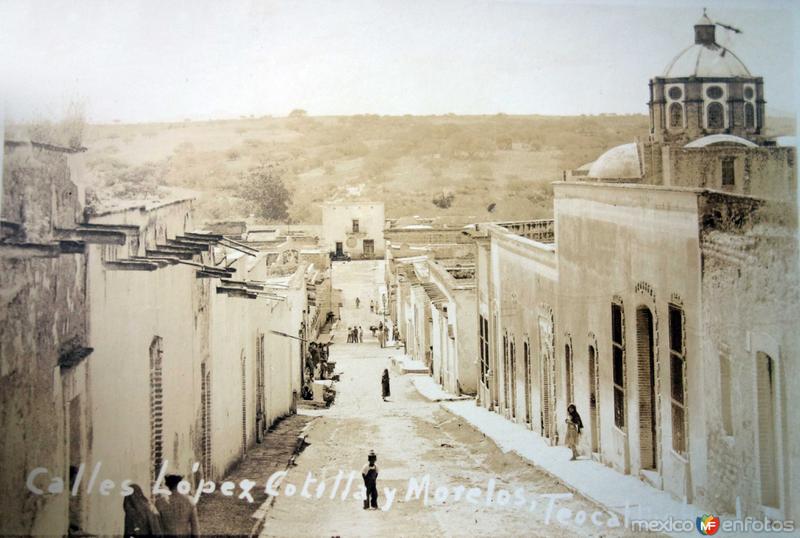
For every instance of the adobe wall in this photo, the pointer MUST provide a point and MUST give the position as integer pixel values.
(763, 172)
(42, 314)
(750, 305)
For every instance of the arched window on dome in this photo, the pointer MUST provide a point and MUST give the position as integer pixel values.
(714, 116)
(675, 115)
(749, 116)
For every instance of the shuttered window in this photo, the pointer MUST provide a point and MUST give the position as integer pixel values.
(505, 370)
(677, 378)
(484, 347)
(156, 406)
(205, 401)
(526, 358)
(648, 415)
(569, 374)
(618, 357)
(244, 404)
(512, 354)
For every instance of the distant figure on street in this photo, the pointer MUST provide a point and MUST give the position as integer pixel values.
(396, 333)
(349, 335)
(385, 384)
(372, 329)
(178, 512)
(141, 517)
(360, 334)
(574, 427)
(358, 302)
(370, 475)
(371, 305)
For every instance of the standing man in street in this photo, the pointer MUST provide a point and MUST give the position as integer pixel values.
(370, 475)
(178, 512)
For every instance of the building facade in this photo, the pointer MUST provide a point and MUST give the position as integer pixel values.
(661, 298)
(354, 229)
(131, 343)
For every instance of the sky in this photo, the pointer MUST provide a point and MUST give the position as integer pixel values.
(169, 60)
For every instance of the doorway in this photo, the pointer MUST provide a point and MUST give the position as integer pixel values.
(648, 423)
(767, 445)
(369, 248)
(339, 249)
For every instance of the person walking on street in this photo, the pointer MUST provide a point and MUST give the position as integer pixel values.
(178, 512)
(358, 302)
(574, 427)
(371, 305)
(360, 334)
(385, 389)
(370, 475)
(349, 335)
(141, 517)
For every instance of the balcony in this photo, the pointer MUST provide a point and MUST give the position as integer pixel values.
(535, 230)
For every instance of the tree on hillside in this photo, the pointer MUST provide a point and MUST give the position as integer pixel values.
(262, 187)
(298, 113)
(443, 200)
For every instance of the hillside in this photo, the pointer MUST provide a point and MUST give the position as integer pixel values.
(405, 161)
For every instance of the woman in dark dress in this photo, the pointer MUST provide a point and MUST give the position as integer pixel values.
(574, 427)
(141, 517)
(385, 384)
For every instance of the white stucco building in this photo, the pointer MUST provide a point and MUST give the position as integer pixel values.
(353, 228)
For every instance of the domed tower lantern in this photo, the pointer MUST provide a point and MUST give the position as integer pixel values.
(706, 89)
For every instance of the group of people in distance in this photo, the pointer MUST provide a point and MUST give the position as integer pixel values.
(355, 334)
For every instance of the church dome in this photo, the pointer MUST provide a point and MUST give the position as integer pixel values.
(710, 60)
(706, 58)
(620, 162)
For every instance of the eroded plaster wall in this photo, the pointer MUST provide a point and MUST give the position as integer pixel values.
(750, 306)
(42, 316)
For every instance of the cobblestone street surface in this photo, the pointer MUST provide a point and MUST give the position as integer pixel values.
(220, 515)
(474, 488)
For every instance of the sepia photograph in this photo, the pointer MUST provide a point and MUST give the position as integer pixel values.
(347, 268)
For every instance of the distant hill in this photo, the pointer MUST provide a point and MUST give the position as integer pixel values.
(405, 161)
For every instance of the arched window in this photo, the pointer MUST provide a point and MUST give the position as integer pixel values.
(675, 115)
(714, 116)
(749, 116)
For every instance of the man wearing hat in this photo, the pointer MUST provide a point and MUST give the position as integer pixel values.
(178, 512)
(370, 475)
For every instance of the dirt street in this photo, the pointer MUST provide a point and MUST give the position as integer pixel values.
(413, 439)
